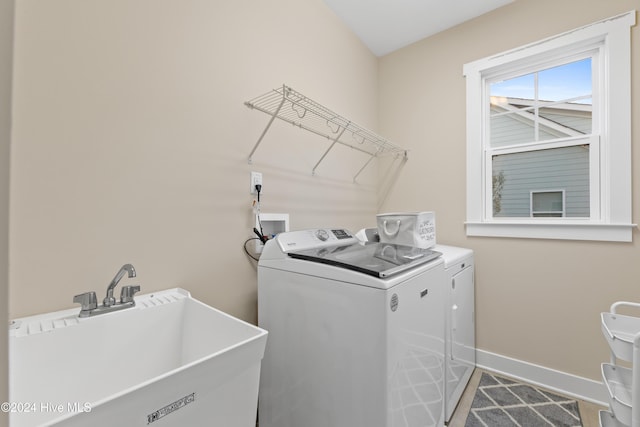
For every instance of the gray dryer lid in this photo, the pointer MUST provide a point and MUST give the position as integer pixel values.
(376, 259)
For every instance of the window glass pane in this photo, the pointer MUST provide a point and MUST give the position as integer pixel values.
(516, 175)
(566, 82)
(546, 203)
(519, 87)
(544, 105)
(512, 128)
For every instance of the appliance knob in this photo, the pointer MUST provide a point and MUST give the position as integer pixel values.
(322, 235)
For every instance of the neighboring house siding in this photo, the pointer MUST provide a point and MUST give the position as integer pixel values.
(580, 123)
(511, 129)
(556, 169)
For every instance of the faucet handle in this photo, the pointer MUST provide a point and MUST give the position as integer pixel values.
(88, 302)
(127, 292)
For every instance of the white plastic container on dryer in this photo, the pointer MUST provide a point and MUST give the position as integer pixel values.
(460, 348)
(417, 229)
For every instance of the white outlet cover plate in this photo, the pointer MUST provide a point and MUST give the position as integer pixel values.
(256, 179)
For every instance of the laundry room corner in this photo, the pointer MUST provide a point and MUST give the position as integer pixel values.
(333, 222)
(131, 142)
(537, 300)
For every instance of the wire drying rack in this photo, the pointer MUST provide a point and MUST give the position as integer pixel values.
(293, 107)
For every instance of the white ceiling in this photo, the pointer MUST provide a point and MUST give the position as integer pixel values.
(387, 25)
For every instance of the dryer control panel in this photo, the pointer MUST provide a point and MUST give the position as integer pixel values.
(315, 238)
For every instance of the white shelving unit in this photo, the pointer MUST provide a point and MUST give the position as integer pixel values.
(622, 333)
(295, 108)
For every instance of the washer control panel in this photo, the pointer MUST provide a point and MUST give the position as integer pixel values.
(314, 238)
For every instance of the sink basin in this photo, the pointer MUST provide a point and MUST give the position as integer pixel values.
(170, 359)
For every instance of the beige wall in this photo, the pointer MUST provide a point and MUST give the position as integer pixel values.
(131, 138)
(537, 300)
(6, 44)
(131, 142)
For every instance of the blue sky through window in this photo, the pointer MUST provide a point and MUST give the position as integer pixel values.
(563, 82)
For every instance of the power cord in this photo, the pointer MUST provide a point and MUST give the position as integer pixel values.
(258, 233)
(247, 250)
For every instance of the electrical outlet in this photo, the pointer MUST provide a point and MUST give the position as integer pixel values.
(256, 179)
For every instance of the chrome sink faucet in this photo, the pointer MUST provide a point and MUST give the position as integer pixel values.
(109, 300)
(89, 302)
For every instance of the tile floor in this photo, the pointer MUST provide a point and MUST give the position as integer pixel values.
(588, 411)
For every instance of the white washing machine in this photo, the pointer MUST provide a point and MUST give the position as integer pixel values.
(356, 332)
(460, 348)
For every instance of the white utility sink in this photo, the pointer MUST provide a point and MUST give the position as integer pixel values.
(170, 359)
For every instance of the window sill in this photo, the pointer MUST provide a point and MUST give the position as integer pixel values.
(575, 230)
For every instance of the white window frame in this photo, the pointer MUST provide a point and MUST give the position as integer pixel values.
(610, 218)
(564, 202)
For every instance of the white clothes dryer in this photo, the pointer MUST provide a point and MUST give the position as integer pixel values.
(356, 332)
(460, 348)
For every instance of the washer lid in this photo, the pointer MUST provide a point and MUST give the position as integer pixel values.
(375, 259)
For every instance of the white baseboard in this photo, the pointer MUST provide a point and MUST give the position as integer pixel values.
(561, 382)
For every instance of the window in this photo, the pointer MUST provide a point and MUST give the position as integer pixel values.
(549, 137)
(547, 204)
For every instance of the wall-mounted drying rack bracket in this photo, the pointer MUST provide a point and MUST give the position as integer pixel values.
(293, 107)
